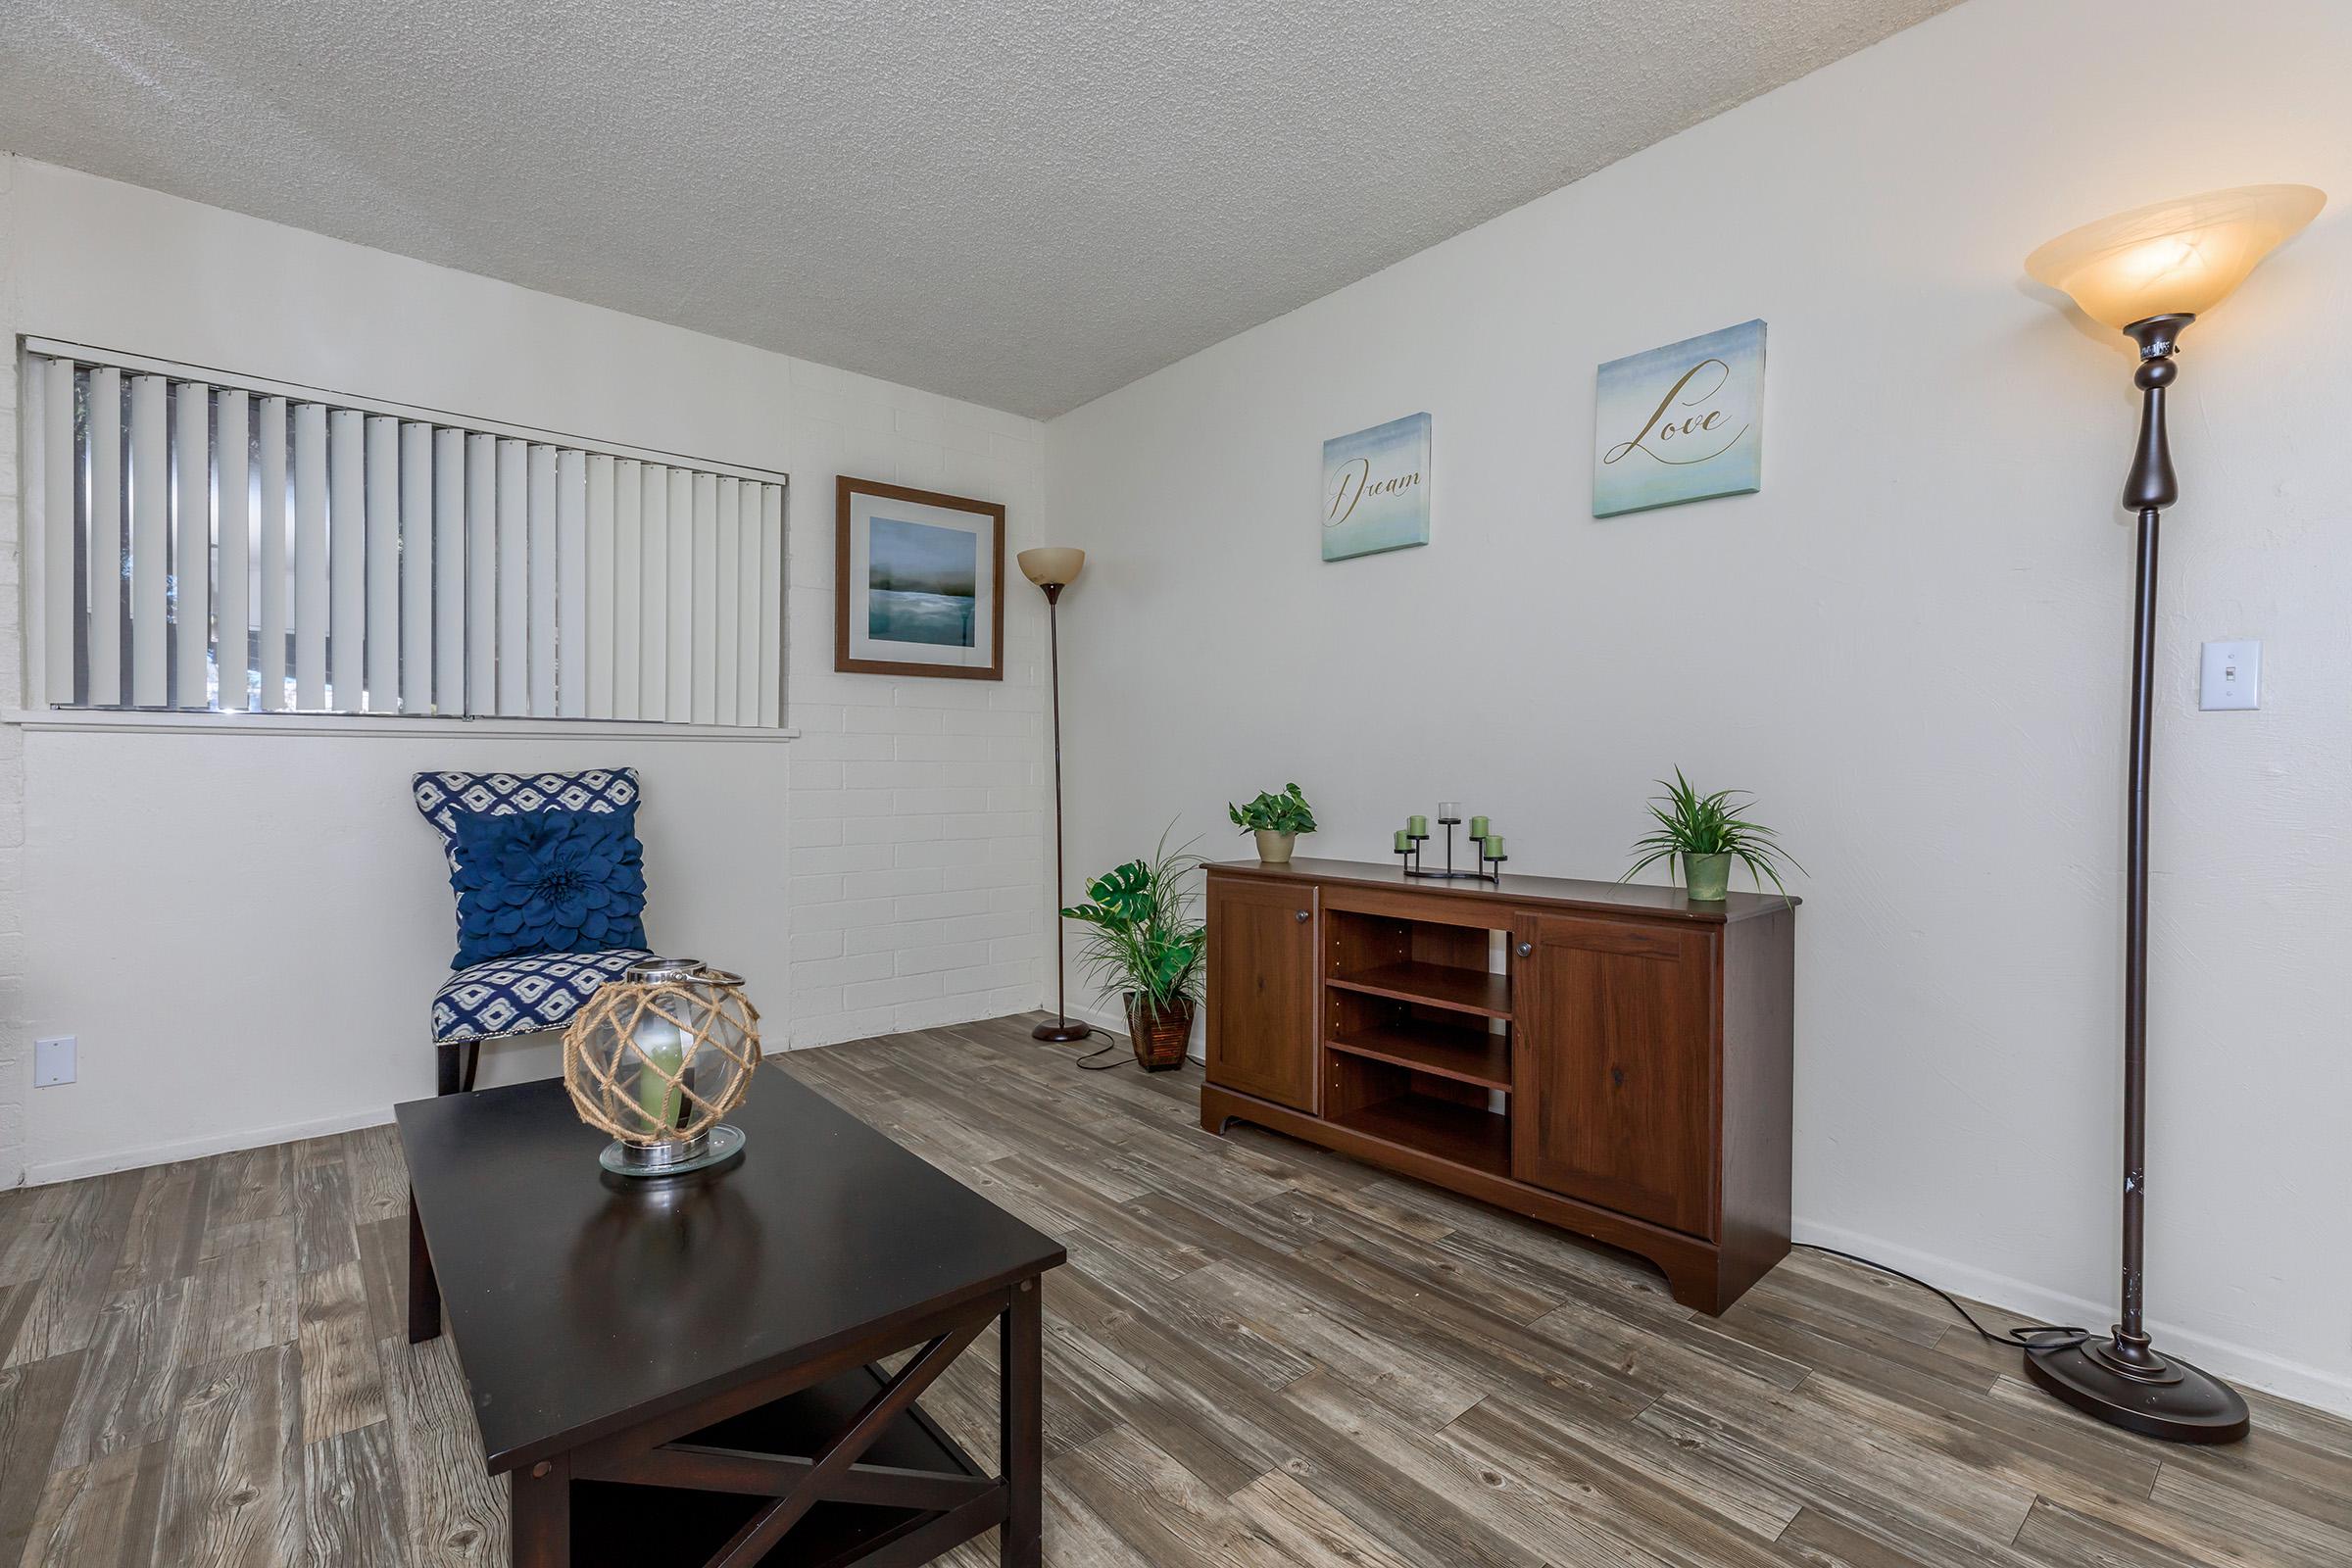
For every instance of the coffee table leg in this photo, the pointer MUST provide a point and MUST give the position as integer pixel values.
(424, 1291)
(541, 1515)
(1021, 1417)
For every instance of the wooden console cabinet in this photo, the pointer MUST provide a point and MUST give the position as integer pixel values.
(1610, 1058)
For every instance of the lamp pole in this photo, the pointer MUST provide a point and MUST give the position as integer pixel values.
(2148, 274)
(1061, 1028)
(2124, 1379)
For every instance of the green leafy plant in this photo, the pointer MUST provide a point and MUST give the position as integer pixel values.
(1692, 823)
(1144, 938)
(1287, 812)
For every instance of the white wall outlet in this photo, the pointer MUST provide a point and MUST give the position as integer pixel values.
(53, 1061)
(2232, 676)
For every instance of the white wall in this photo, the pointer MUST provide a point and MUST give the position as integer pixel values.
(244, 932)
(1912, 643)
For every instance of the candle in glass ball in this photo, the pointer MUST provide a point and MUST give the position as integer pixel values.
(1478, 827)
(1418, 826)
(1494, 845)
(1450, 811)
(1402, 845)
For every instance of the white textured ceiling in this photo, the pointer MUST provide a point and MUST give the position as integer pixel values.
(1026, 203)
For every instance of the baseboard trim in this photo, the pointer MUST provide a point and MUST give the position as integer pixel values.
(2241, 1363)
(230, 1143)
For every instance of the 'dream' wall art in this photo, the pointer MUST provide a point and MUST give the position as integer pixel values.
(1376, 489)
(1683, 422)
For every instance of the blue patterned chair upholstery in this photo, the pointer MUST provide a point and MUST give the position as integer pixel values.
(516, 996)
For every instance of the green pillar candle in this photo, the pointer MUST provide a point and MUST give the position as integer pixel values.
(1418, 826)
(1478, 827)
(1402, 845)
(1494, 845)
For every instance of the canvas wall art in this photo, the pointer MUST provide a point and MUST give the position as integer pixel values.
(918, 582)
(1376, 489)
(1680, 424)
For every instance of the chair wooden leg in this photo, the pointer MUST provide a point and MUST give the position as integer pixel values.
(473, 1059)
(449, 1084)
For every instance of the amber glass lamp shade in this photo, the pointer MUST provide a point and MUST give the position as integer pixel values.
(1052, 567)
(2177, 257)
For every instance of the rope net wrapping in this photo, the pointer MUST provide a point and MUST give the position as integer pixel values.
(662, 1061)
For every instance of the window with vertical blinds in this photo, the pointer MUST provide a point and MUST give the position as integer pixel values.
(209, 544)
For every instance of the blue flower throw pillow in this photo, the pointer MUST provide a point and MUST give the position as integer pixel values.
(535, 882)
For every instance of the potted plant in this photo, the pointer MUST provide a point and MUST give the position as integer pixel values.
(1276, 820)
(1706, 833)
(1146, 943)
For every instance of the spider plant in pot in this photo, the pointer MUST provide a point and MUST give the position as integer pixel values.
(1706, 833)
(1146, 943)
(1276, 820)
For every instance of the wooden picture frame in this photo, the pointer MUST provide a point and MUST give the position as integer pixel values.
(943, 612)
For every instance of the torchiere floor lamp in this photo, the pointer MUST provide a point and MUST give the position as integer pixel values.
(2148, 274)
(1054, 569)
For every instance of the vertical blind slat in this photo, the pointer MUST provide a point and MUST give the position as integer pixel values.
(59, 531)
(448, 572)
(730, 604)
(347, 559)
(382, 633)
(514, 583)
(415, 550)
(482, 464)
(652, 649)
(150, 542)
(542, 571)
(191, 544)
(704, 612)
(196, 546)
(232, 539)
(274, 583)
(597, 646)
(628, 552)
(310, 557)
(745, 655)
(105, 536)
(571, 585)
(679, 619)
(771, 605)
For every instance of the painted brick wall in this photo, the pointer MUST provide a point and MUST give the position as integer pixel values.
(15, 1045)
(918, 807)
(884, 871)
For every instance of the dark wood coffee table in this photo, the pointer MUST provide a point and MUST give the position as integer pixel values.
(682, 1371)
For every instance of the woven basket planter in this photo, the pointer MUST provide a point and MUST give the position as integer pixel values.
(1160, 1034)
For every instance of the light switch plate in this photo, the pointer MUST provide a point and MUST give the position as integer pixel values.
(2232, 676)
(53, 1061)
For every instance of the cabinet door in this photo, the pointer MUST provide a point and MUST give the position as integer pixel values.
(1613, 1065)
(1262, 988)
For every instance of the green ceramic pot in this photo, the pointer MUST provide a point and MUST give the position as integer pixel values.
(1274, 848)
(1708, 877)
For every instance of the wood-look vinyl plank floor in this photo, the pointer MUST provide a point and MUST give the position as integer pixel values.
(1261, 1355)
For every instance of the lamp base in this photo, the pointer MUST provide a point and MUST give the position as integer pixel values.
(1060, 1031)
(2158, 1397)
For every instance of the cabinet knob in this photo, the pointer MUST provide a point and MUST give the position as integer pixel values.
(1527, 949)
(1305, 914)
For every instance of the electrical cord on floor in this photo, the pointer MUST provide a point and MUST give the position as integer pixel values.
(2020, 1338)
(1086, 1062)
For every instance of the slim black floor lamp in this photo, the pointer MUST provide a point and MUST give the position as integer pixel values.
(2148, 274)
(1054, 569)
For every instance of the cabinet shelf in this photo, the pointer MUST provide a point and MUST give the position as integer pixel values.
(1434, 985)
(1466, 1054)
(1464, 1135)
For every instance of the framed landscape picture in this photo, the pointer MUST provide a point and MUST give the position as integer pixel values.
(918, 582)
